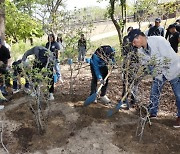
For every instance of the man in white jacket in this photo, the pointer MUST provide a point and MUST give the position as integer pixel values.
(168, 67)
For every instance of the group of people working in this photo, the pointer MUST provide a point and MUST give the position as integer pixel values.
(135, 43)
(140, 48)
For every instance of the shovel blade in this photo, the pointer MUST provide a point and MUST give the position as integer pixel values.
(116, 109)
(90, 99)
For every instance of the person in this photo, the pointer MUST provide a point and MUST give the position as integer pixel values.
(17, 73)
(99, 70)
(158, 47)
(61, 43)
(147, 31)
(5, 61)
(54, 47)
(125, 39)
(128, 54)
(177, 24)
(43, 58)
(62, 47)
(81, 48)
(156, 30)
(174, 37)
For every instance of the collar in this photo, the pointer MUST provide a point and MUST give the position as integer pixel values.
(147, 50)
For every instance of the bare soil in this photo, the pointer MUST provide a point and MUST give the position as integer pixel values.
(72, 128)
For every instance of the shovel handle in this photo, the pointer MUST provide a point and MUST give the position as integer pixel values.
(101, 85)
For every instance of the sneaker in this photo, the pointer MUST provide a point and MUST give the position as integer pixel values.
(152, 116)
(33, 94)
(1, 107)
(177, 125)
(27, 90)
(124, 106)
(61, 80)
(105, 100)
(51, 97)
(15, 91)
(95, 101)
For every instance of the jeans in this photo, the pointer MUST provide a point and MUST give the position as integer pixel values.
(57, 70)
(156, 91)
(104, 72)
(82, 53)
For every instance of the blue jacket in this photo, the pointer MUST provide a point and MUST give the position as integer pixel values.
(100, 59)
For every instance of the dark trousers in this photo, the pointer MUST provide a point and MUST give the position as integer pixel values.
(104, 72)
(50, 74)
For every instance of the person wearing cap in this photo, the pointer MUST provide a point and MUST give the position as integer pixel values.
(103, 56)
(5, 60)
(156, 30)
(174, 37)
(159, 48)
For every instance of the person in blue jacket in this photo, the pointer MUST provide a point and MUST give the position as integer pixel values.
(103, 56)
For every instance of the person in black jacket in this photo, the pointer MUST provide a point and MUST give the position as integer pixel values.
(156, 30)
(42, 58)
(130, 58)
(174, 37)
(177, 25)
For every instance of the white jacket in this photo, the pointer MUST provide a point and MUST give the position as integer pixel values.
(161, 49)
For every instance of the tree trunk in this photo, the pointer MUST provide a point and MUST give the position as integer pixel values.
(2, 19)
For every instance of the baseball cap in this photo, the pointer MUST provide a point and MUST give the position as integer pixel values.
(172, 26)
(132, 34)
(158, 20)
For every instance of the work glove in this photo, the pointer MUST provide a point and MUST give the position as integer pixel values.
(102, 82)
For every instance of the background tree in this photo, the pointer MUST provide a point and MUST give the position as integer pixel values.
(20, 26)
(118, 22)
(143, 9)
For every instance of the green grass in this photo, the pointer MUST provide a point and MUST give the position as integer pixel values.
(112, 41)
(18, 49)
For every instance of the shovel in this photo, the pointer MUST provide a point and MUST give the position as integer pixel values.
(118, 106)
(93, 97)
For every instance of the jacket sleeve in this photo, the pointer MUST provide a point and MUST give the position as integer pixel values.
(28, 53)
(95, 64)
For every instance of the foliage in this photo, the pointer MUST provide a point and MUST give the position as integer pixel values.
(143, 9)
(25, 6)
(20, 26)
